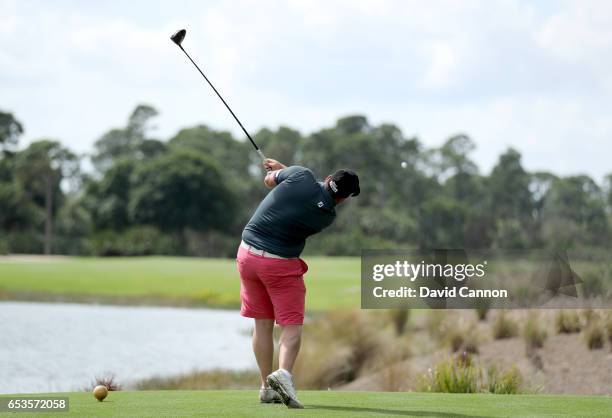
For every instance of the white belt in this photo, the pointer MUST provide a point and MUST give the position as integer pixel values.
(262, 253)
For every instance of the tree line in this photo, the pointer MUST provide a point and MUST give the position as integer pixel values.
(192, 194)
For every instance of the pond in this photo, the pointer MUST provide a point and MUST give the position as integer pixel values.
(51, 347)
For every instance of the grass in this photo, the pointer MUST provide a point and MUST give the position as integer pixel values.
(534, 332)
(363, 342)
(504, 326)
(595, 335)
(567, 322)
(203, 380)
(461, 374)
(462, 336)
(331, 404)
(332, 282)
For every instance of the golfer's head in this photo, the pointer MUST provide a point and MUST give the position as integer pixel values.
(342, 184)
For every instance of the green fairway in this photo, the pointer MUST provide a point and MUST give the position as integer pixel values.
(333, 404)
(332, 282)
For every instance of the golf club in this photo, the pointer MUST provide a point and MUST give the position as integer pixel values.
(178, 38)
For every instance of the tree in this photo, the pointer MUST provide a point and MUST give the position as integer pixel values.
(442, 223)
(452, 158)
(511, 201)
(182, 190)
(108, 199)
(575, 204)
(17, 212)
(10, 131)
(40, 169)
(128, 142)
(509, 187)
(283, 144)
(220, 146)
(608, 189)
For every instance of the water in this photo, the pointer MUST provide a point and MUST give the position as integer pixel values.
(61, 347)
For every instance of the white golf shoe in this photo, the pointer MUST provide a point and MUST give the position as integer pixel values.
(282, 382)
(269, 395)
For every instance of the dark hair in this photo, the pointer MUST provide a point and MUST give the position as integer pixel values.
(344, 183)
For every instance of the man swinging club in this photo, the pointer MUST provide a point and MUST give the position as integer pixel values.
(271, 271)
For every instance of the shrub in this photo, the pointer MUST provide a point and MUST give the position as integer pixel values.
(462, 337)
(567, 322)
(508, 382)
(461, 375)
(483, 306)
(138, 240)
(482, 312)
(108, 380)
(340, 345)
(451, 377)
(455, 340)
(24, 242)
(394, 377)
(4, 247)
(400, 318)
(609, 329)
(594, 335)
(534, 332)
(589, 314)
(504, 327)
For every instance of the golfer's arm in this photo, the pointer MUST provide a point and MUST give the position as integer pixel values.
(270, 179)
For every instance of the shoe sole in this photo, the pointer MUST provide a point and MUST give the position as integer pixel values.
(274, 401)
(287, 400)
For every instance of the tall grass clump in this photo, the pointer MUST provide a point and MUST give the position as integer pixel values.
(482, 312)
(609, 329)
(452, 376)
(589, 314)
(504, 327)
(508, 382)
(534, 332)
(108, 380)
(483, 308)
(462, 337)
(400, 319)
(594, 335)
(462, 375)
(567, 322)
(339, 346)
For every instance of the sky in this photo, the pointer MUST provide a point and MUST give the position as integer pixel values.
(533, 75)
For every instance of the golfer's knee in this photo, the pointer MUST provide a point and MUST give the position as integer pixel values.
(291, 337)
(264, 324)
(263, 327)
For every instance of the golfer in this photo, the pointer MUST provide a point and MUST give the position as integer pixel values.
(271, 270)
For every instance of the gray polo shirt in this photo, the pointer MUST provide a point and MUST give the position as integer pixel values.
(295, 209)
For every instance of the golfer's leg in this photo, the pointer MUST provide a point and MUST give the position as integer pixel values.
(290, 341)
(263, 347)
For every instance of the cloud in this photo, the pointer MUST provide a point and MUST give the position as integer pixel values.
(581, 34)
(510, 73)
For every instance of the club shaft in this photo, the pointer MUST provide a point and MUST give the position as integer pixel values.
(225, 103)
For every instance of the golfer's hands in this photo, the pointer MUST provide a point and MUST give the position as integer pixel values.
(272, 165)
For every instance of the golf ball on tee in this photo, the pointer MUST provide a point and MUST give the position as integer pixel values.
(100, 392)
(404, 164)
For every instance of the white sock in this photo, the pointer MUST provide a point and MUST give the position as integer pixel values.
(286, 372)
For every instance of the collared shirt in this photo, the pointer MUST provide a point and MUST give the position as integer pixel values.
(295, 209)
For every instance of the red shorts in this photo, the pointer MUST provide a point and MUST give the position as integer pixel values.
(272, 288)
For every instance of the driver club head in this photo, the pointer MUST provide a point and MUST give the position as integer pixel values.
(178, 37)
